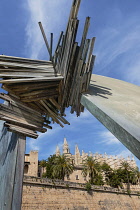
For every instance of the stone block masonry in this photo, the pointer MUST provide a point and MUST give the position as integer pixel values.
(47, 195)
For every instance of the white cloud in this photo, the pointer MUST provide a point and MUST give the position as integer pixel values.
(50, 132)
(133, 75)
(51, 15)
(85, 118)
(33, 144)
(108, 138)
(119, 44)
(125, 153)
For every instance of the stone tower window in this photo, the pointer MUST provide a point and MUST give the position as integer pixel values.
(77, 178)
(68, 177)
(26, 169)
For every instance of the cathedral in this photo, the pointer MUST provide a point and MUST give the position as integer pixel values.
(32, 168)
(77, 159)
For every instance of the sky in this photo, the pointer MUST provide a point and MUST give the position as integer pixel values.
(116, 26)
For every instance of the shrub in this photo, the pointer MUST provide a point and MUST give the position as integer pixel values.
(88, 186)
(67, 185)
(129, 192)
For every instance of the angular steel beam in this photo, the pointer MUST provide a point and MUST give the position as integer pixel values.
(116, 104)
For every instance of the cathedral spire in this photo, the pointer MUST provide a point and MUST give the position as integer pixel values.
(77, 152)
(66, 147)
(77, 155)
(57, 151)
(83, 153)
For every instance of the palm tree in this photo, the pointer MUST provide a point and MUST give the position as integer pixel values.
(107, 172)
(135, 176)
(62, 167)
(91, 168)
(115, 178)
(127, 169)
(49, 167)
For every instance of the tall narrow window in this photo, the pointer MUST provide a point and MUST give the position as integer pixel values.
(77, 178)
(26, 169)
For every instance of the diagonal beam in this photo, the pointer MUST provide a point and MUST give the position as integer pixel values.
(116, 104)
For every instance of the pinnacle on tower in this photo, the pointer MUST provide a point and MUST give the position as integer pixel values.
(66, 147)
(77, 152)
(57, 151)
(83, 153)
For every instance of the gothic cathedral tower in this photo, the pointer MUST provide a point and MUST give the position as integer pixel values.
(66, 149)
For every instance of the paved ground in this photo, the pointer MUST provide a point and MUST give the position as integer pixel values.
(116, 104)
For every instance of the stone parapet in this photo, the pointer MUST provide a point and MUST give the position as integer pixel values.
(66, 184)
(45, 194)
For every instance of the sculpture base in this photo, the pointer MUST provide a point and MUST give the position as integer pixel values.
(12, 151)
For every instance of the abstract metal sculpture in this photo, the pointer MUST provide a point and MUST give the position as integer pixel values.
(37, 93)
(43, 89)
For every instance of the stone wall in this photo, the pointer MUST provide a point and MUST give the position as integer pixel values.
(31, 164)
(48, 195)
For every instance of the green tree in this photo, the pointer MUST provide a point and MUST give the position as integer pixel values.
(106, 168)
(115, 178)
(98, 179)
(106, 171)
(135, 176)
(49, 165)
(42, 163)
(92, 168)
(127, 170)
(61, 167)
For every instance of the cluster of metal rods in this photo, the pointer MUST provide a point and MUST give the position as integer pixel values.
(73, 62)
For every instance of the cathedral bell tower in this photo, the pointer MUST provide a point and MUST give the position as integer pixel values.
(66, 149)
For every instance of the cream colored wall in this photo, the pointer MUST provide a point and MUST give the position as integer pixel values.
(73, 177)
(27, 157)
(32, 158)
(41, 171)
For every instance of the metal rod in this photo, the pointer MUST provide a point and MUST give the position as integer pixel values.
(51, 45)
(45, 39)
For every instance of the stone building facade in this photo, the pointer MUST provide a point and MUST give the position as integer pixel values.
(31, 164)
(77, 159)
(33, 169)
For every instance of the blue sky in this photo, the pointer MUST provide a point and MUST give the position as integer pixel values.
(117, 29)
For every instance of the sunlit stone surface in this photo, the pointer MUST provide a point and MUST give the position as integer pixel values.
(116, 104)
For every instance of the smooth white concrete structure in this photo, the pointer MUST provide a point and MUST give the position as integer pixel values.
(116, 104)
